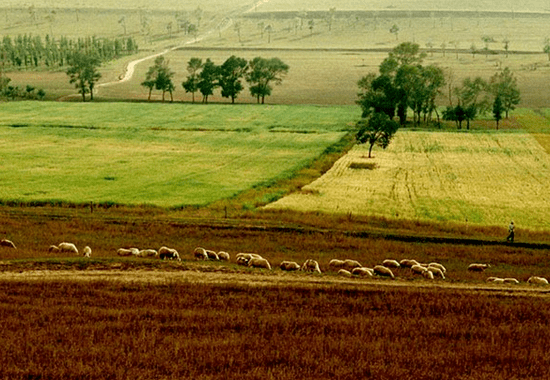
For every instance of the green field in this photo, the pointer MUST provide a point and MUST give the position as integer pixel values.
(165, 155)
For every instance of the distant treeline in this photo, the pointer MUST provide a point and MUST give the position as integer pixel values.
(28, 52)
(395, 13)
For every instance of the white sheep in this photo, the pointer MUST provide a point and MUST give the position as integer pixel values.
(388, 263)
(289, 266)
(200, 254)
(248, 256)
(224, 256)
(363, 271)
(478, 267)
(350, 264)
(310, 265)
(87, 252)
(437, 265)
(148, 253)
(124, 252)
(168, 253)
(383, 271)
(68, 248)
(212, 255)
(242, 261)
(53, 249)
(428, 275)
(335, 264)
(344, 272)
(495, 280)
(7, 243)
(436, 271)
(537, 280)
(510, 280)
(418, 269)
(408, 263)
(259, 263)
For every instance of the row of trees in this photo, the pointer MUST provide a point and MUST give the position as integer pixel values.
(27, 51)
(404, 84)
(500, 94)
(7, 91)
(205, 77)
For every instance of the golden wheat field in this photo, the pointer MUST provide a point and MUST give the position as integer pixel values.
(480, 178)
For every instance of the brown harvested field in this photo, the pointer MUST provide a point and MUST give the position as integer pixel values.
(109, 329)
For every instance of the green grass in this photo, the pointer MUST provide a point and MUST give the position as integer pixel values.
(166, 155)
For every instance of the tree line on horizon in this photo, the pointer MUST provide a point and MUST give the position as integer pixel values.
(205, 77)
(29, 52)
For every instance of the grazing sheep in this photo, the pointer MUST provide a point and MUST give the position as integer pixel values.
(87, 252)
(68, 247)
(537, 280)
(224, 256)
(148, 253)
(242, 261)
(249, 256)
(418, 269)
(495, 280)
(363, 271)
(383, 271)
(436, 272)
(212, 255)
(510, 280)
(124, 252)
(259, 263)
(7, 243)
(169, 253)
(408, 263)
(310, 265)
(478, 267)
(336, 264)
(351, 264)
(344, 272)
(200, 254)
(289, 266)
(53, 249)
(437, 265)
(428, 275)
(391, 263)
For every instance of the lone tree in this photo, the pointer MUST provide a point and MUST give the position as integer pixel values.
(83, 73)
(191, 84)
(208, 79)
(505, 86)
(379, 129)
(231, 73)
(498, 109)
(262, 73)
(159, 76)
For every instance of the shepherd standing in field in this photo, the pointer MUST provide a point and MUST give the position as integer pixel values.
(510, 237)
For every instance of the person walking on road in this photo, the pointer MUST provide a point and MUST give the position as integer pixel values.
(510, 237)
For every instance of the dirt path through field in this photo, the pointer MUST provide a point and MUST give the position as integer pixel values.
(222, 26)
(275, 279)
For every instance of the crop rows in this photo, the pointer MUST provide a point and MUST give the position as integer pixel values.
(481, 178)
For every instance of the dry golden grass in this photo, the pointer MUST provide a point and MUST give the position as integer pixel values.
(479, 178)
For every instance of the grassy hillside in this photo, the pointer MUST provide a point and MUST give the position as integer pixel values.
(166, 155)
(482, 178)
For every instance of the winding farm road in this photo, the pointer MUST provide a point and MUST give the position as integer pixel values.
(224, 25)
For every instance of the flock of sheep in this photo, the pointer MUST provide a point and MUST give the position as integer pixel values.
(347, 268)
